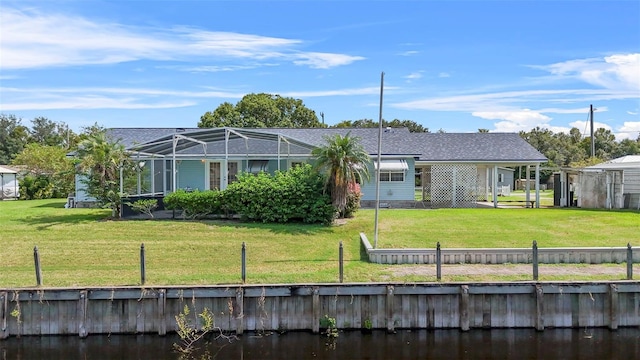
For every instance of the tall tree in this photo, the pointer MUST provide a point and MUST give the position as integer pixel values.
(395, 123)
(13, 137)
(50, 133)
(50, 162)
(261, 110)
(100, 160)
(345, 163)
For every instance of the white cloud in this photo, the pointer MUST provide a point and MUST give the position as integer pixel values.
(632, 112)
(32, 39)
(516, 120)
(19, 99)
(619, 71)
(444, 75)
(629, 130)
(338, 92)
(583, 110)
(414, 76)
(323, 60)
(409, 53)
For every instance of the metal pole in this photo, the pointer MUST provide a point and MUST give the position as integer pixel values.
(341, 261)
(535, 260)
(377, 172)
(244, 262)
(629, 262)
(36, 260)
(143, 275)
(438, 262)
(593, 141)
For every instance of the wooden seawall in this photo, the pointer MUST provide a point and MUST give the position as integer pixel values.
(239, 308)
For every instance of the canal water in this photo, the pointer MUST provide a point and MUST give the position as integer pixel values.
(423, 344)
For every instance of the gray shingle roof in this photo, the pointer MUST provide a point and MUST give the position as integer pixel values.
(435, 147)
(503, 147)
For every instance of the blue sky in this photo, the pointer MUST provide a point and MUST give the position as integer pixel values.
(455, 65)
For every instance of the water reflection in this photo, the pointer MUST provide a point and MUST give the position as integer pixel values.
(438, 344)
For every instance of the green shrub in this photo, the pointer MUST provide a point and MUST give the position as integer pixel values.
(293, 195)
(195, 204)
(36, 187)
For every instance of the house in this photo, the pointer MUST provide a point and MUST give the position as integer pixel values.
(456, 170)
(9, 187)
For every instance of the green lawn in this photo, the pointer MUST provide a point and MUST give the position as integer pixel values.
(78, 247)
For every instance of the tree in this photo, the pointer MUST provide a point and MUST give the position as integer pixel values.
(395, 123)
(345, 163)
(261, 110)
(99, 165)
(50, 162)
(49, 133)
(13, 137)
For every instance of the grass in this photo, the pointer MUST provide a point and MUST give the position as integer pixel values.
(78, 247)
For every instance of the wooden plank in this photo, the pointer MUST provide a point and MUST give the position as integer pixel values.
(140, 318)
(422, 311)
(464, 308)
(486, 311)
(275, 313)
(315, 318)
(431, 312)
(83, 304)
(341, 312)
(284, 314)
(239, 311)
(52, 313)
(363, 312)
(161, 312)
(355, 311)
(539, 321)
(389, 309)
(414, 315)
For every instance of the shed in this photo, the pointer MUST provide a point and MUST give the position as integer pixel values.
(9, 187)
(620, 182)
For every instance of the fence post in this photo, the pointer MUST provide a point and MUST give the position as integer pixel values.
(438, 262)
(341, 261)
(143, 275)
(629, 262)
(535, 260)
(36, 260)
(244, 262)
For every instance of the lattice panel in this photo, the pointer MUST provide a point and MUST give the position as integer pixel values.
(454, 186)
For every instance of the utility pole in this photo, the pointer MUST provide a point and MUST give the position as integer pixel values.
(322, 116)
(593, 140)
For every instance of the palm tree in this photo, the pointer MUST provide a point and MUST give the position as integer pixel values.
(99, 162)
(344, 161)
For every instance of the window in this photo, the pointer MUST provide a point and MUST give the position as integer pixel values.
(392, 170)
(500, 177)
(296, 163)
(392, 176)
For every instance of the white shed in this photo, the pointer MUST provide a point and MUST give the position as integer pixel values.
(9, 188)
(622, 178)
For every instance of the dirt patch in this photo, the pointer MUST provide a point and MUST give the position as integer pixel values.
(614, 270)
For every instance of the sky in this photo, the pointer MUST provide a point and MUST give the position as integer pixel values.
(456, 66)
